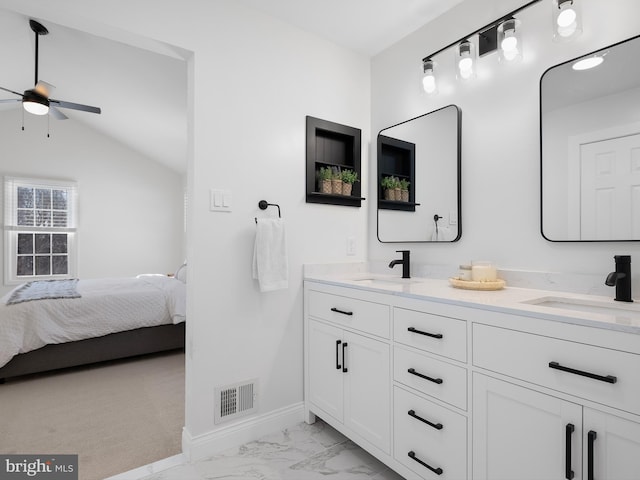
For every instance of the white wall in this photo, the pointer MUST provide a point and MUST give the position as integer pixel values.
(500, 134)
(253, 80)
(130, 217)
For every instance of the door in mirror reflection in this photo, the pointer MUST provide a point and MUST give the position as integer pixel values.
(590, 147)
(419, 179)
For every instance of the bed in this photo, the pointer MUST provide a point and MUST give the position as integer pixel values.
(109, 319)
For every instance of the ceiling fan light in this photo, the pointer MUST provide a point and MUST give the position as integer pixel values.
(35, 103)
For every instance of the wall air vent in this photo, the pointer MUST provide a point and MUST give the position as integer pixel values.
(237, 400)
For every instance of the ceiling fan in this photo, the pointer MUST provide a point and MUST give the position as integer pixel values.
(36, 100)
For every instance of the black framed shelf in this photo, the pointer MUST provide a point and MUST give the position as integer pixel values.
(396, 158)
(331, 145)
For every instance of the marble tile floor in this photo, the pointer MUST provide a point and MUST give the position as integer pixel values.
(304, 452)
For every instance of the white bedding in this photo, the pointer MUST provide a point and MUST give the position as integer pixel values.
(106, 306)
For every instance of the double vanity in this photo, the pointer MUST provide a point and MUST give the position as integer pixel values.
(438, 382)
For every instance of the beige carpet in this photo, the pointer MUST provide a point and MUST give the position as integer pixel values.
(116, 416)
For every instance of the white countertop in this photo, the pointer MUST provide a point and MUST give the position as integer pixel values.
(510, 300)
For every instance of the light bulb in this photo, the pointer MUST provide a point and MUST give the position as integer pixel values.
(510, 42)
(566, 17)
(465, 64)
(429, 83)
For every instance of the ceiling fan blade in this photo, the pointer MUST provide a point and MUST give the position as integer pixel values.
(10, 91)
(44, 88)
(57, 114)
(75, 106)
(11, 100)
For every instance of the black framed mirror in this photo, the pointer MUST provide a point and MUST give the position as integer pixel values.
(590, 147)
(423, 155)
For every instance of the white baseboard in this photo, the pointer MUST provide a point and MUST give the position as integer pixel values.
(208, 444)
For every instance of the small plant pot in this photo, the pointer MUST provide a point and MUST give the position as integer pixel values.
(397, 194)
(389, 194)
(346, 188)
(404, 195)
(325, 186)
(336, 186)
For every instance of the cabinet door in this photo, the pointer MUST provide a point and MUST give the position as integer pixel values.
(325, 368)
(368, 389)
(611, 447)
(521, 434)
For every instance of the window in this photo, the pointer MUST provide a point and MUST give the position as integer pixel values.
(39, 229)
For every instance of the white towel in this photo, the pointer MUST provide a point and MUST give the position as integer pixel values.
(270, 264)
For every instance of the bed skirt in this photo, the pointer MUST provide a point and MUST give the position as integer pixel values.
(130, 343)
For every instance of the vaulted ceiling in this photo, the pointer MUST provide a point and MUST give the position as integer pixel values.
(143, 90)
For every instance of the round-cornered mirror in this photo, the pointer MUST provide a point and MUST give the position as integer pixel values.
(419, 179)
(590, 146)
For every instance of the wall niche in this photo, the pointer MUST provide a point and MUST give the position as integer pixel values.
(332, 149)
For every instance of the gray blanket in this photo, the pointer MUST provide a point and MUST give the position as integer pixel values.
(45, 289)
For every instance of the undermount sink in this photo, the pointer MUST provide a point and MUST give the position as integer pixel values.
(628, 310)
(384, 281)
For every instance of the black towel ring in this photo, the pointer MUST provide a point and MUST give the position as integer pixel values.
(263, 204)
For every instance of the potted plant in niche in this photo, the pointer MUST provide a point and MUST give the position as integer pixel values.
(324, 179)
(404, 189)
(336, 181)
(349, 177)
(388, 185)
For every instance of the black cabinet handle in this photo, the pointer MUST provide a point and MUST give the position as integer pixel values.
(344, 358)
(432, 335)
(338, 366)
(412, 413)
(591, 438)
(412, 456)
(334, 309)
(568, 431)
(608, 378)
(412, 371)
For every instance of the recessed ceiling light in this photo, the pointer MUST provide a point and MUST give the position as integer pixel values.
(587, 63)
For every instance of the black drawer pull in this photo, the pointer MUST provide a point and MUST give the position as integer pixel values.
(432, 335)
(338, 366)
(334, 309)
(608, 378)
(344, 358)
(412, 371)
(412, 413)
(591, 438)
(412, 456)
(568, 432)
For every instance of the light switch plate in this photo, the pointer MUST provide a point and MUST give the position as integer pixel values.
(220, 200)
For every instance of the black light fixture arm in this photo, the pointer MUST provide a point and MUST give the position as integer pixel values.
(495, 23)
(38, 29)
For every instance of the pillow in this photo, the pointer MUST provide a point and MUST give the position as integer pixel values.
(181, 273)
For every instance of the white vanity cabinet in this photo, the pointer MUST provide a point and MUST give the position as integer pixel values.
(442, 387)
(348, 365)
(527, 431)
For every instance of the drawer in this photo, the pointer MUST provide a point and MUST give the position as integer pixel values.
(434, 377)
(602, 375)
(433, 333)
(361, 315)
(436, 436)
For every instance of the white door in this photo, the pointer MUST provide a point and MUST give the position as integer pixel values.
(521, 434)
(325, 368)
(367, 389)
(615, 446)
(610, 189)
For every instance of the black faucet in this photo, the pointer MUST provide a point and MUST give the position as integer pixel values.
(621, 278)
(404, 262)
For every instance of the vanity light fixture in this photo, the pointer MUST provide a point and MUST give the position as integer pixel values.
(466, 60)
(567, 21)
(429, 82)
(503, 34)
(510, 40)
